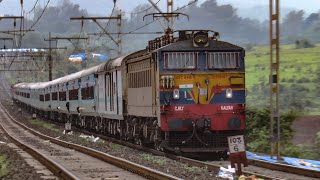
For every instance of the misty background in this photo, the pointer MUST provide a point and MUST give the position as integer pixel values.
(244, 26)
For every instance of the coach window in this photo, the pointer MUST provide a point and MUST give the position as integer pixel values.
(62, 96)
(54, 96)
(87, 92)
(73, 94)
(47, 97)
(41, 97)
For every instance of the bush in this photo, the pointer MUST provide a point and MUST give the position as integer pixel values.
(303, 44)
(258, 128)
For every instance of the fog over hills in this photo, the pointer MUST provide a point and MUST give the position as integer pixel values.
(252, 9)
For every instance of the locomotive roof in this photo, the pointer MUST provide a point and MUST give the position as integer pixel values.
(214, 45)
(111, 64)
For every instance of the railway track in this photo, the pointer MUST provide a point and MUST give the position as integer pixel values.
(216, 164)
(71, 161)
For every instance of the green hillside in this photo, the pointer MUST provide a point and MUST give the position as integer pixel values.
(299, 74)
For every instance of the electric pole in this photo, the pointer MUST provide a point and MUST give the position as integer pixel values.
(274, 78)
(119, 24)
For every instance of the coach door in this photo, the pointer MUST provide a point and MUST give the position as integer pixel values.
(111, 99)
(154, 81)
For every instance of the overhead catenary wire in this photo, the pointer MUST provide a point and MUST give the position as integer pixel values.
(44, 9)
(105, 28)
(34, 6)
(192, 2)
(145, 9)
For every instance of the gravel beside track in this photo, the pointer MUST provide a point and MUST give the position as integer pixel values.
(276, 174)
(79, 164)
(16, 165)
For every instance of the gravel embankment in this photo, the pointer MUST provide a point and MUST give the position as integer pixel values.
(14, 166)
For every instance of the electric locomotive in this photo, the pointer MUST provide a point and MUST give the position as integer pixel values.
(183, 93)
(201, 84)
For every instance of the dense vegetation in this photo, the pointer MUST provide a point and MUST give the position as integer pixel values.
(258, 135)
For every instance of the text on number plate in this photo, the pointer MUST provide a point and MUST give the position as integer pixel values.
(236, 144)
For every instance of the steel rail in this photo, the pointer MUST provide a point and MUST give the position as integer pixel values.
(285, 168)
(119, 162)
(172, 156)
(51, 165)
(253, 162)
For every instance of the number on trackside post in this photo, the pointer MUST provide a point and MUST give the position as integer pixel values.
(236, 144)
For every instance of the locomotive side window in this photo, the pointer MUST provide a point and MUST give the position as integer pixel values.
(180, 60)
(223, 60)
(139, 74)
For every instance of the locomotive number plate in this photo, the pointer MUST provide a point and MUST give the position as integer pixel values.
(236, 144)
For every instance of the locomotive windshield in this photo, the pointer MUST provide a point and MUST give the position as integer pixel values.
(180, 60)
(223, 60)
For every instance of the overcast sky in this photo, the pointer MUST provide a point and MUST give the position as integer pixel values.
(103, 7)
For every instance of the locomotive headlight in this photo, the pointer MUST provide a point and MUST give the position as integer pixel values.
(229, 93)
(201, 39)
(176, 94)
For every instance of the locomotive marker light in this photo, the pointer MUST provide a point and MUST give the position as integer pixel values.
(176, 94)
(229, 93)
(163, 81)
(237, 153)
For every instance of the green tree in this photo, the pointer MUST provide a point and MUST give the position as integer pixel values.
(258, 130)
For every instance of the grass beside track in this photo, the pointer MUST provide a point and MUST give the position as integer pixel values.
(299, 77)
(3, 166)
(44, 124)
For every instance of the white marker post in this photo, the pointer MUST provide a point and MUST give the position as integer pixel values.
(237, 153)
(236, 144)
(67, 127)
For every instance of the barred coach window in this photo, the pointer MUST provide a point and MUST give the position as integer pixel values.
(223, 60)
(180, 60)
(62, 96)
(87, 93)
(47, 97)
(41, 97)
(73, 94)
(54, 96)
